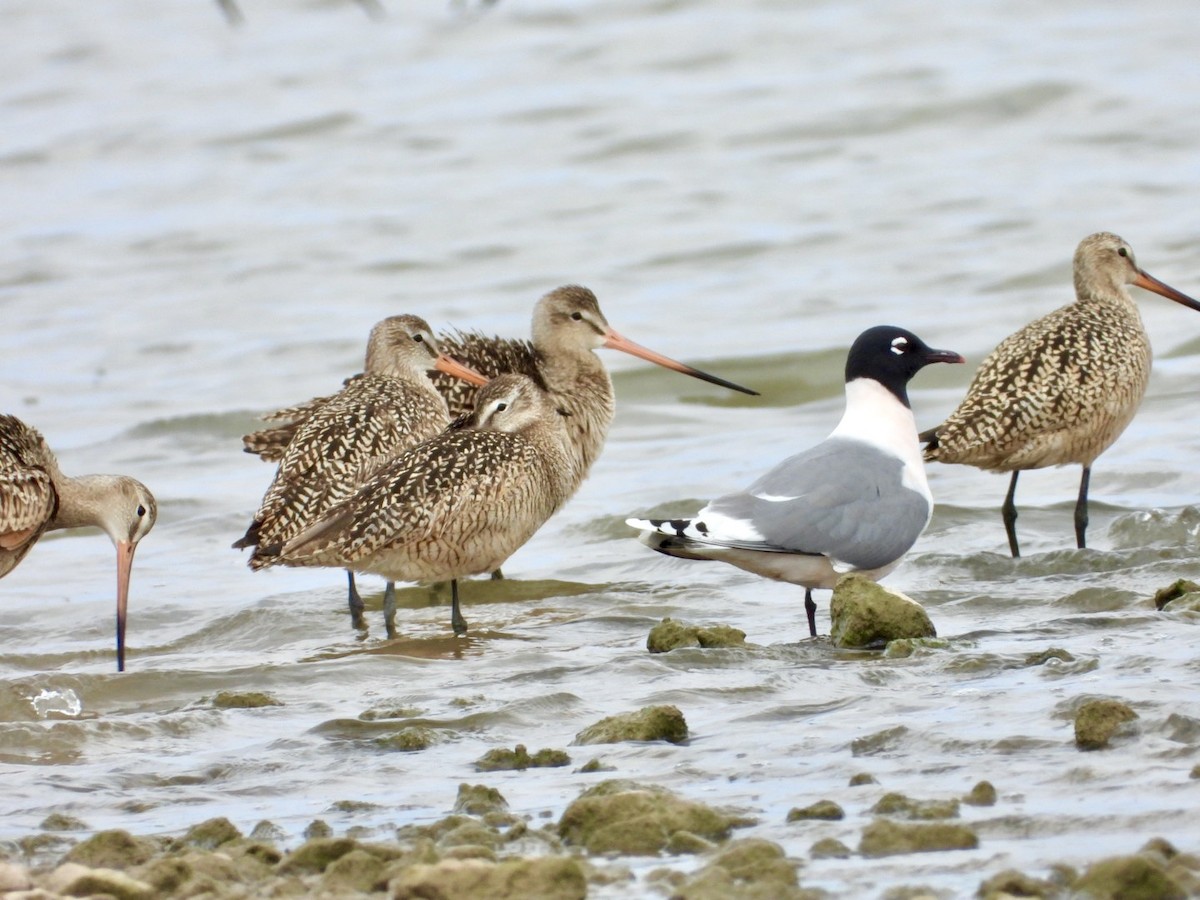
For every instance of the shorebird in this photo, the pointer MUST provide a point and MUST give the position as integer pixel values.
(856, 502)
(567, 327)
(344, 437)
(455, 505)
(1063, 388)
(36, 497)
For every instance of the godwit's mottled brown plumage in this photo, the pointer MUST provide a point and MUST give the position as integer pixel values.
(455, 505)
(36, 497)
(1064, 387)
(348, 435)
(567, 327)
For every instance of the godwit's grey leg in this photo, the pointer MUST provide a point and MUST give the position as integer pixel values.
(1009, 513)
(1081, 508)
(810, 609)
(457, 622)
(389, 609)
(355, 602)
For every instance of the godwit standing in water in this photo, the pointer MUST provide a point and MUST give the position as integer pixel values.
(343, 438)
(36, 497)
(1064, 387)
(455, 505)
(856, 502)
(567, 327)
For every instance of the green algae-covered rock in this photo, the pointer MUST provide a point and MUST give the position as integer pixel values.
(637, 820)
(407, 740)
(982, 794)
(267, 831)
(865, 614)
(884, 837)
(211, 834)
(318, 828)
(110, 883)
(860, 778)
(1098, 721)
(1128, 878)
(518, 758)
(478, 799)
(315, 855)
(654, 723)
(822, 809)
(62, 822)
(356, 872)
(599, 765)
(545, 878)
(1010, 883)
(880, 742)
(895, 804)
(116, 849)
(751, 869)
(671, 634)
(1172, 592)
(830, 848)
(244, 700)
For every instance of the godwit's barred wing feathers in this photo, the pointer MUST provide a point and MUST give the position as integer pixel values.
(1060, 390)
(27, 497)
(489, 356)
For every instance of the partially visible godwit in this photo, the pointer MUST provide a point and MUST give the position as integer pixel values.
(345, 437)
(455, 505)
(36, 497)
(856, 502)
(1063, 388)
(567, 327)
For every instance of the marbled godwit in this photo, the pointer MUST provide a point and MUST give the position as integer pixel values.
(343, 438)
(36, 497)
(856, 502)
(567, 327)
(455, 505)
(1064, 387)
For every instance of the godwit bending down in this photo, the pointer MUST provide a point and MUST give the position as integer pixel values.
(455, 505)
(1064, 387)
(348, 435)
(36, 497)
(856, 502)
(567, 327)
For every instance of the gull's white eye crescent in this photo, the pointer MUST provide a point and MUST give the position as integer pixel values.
(899, 345)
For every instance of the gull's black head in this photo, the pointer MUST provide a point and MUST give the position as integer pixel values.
(892, 356)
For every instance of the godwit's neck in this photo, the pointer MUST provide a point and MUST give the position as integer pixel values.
(579, 385)
(84, 501)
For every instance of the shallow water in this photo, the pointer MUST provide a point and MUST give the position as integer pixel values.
(202, 223)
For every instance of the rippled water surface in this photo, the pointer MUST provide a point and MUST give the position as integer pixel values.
(201, 223)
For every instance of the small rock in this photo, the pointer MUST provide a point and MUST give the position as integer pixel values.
(115, 884)
(545, 878)
(861, 778)
(268, 831)
(596, 765)
(315, 855)
(865, 614)
(748, 869)
(478, 799)
(211, 834)
(1010, 883)
(115, 849)
(407, 740)
(654, 723)
(318, 828)
(684, 843)
(518, 758)
(1195, 771)
(1097, 721)
(356, 872)
(822, 809)
(1128, 878)
(244, 700)
(884, 837)
(880, 742)
(830, 848)
(1174, 591)
(670, 634)
(895, 804)
(62, 822)
(983, 794)
(14, 877)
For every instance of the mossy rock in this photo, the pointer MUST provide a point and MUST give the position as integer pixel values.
(599, 765)
(825, 810)
(407, 740)
(110, 883)
(471, 833)
(544, 878)
(982, 794)
(315, 855)
(751, 869)
(115, 849)
(318, 828)
(267, 831)
(62, 822)
(355, 872)
(1172, 592)
(671, 634)
(244, 700)
(884, 837)
(1128, 878)
(880, 742)
(867, 615)
(636, 820)
(654, 723)
(519, 759)
(1010, 883)
(212, 833)
(830, 848)
(1098, 721)
(478, 799)
(895, 804)
(860, 778)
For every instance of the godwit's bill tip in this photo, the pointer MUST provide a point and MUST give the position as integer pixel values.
(451, 366)
(124, 566)
(1150, 283)
(617, 342)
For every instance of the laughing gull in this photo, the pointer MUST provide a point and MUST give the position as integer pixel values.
(1063, 388)
(856, 502)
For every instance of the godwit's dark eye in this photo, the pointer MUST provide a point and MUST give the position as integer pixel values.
(501, 407)
(418, 338)
(1121, 251)
(577, 316)
(141, 511)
